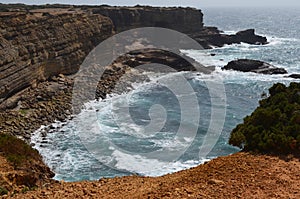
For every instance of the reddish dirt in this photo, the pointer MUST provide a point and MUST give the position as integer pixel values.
(241, 175)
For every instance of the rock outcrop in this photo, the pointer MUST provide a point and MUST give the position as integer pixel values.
(248, 65)
(178, 62)
(211, 36)
(39, 44)
(248, 36)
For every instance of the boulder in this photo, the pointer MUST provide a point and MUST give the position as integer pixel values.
(248, 65)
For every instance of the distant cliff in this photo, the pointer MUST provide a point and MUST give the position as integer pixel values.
(186, 20)
(37, 45)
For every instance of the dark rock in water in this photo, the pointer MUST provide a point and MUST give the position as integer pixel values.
(52, 127)
(211, 36)
(249, 36)
(295, 76)
(247, 65)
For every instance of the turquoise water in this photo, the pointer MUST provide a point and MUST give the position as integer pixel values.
(122, 139)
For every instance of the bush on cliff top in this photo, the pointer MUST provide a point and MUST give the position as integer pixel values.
(274, 127)
(16, 151)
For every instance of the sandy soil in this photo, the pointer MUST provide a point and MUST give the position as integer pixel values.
(241, 175)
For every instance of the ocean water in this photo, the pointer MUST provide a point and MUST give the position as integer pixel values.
(121, 146)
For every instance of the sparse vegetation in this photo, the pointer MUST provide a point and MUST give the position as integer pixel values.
(274, 127)
(25, 189)
(24, 111)
(3, 191)
(16, 150)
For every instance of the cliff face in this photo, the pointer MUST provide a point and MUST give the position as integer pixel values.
(186, 20)
(39, 44)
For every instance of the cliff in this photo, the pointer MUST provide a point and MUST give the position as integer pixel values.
(186, 20)
(39, 44)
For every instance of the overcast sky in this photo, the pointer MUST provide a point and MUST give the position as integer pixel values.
(193, 3)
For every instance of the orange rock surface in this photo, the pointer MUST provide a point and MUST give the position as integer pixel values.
(241, 175)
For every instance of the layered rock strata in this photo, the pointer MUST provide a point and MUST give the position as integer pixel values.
(37, 45)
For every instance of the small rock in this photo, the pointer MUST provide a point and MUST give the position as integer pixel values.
(61, 76)
(39, 98)
(215, 181)
(8, 123)
(52, 127)
(188, 191)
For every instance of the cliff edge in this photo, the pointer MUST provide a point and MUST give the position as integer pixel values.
(185, 20)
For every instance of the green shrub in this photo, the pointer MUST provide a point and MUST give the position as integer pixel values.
(274, 127)
(25, 189)
(3, 191)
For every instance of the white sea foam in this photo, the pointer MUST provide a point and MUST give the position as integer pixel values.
(151, 167)
(279, 40)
